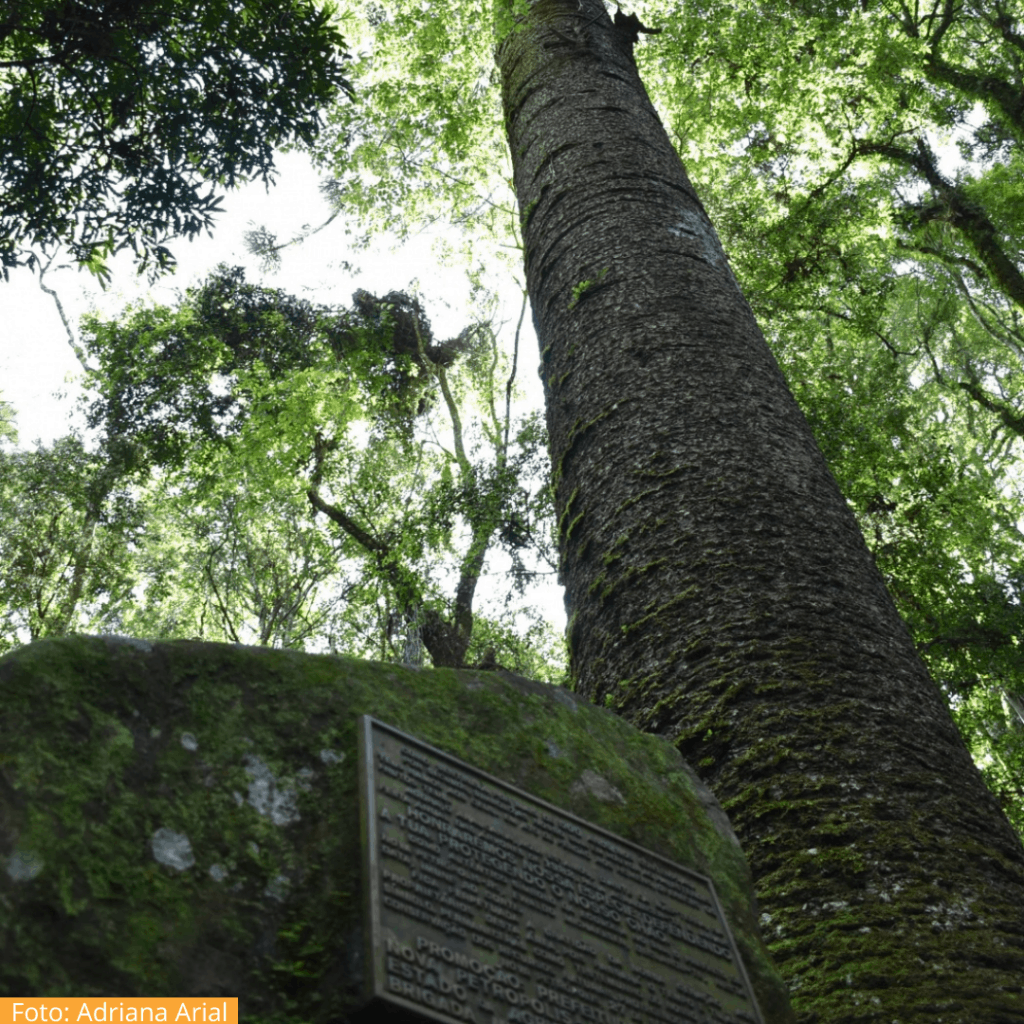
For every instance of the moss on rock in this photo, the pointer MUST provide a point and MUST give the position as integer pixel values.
(182, 818)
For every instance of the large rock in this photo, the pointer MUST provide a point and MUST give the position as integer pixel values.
(183, 818)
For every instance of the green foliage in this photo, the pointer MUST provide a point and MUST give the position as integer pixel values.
(8, 419)
(311, 477)
(825, 144)
(581, 289)
(118, 120)
(64, 542)
(239, 564)
(171, 380)
(420, 145)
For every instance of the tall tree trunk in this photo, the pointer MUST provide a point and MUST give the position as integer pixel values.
(719, 589)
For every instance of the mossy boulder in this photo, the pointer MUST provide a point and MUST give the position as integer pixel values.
(183, 818)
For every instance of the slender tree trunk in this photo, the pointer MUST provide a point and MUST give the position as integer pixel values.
(719, 589)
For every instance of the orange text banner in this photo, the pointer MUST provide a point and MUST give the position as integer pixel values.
(79, 1010)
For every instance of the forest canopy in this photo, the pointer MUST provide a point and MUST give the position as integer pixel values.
(276, 471)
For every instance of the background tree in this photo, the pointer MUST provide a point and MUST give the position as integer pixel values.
(238, 564)
(118, 120)
(324, 476)
(64, 542)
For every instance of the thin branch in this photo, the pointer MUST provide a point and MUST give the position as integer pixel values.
(269, 253)
(350, 526)
(72, 340)
(1009, 417)
(959, 211)
(848, 318)
(935, 363)
(948, 12)
(220, 604)
(321, 448)
(441, 377)
(945, 257)
(1012, 337)
(1015, 702)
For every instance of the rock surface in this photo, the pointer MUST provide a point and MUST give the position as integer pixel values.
(182, 818)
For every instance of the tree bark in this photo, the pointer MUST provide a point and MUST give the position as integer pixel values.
(718, 587)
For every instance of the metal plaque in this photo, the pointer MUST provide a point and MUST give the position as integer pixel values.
(486, 904)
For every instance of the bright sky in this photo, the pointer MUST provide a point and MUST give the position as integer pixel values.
(38, 368)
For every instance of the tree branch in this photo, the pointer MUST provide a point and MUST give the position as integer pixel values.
(72, 340)
(512, 372)
(959, 211)
(225, 617)
(350, 526)
(989, 90)
(439, 374)
(1009, 417)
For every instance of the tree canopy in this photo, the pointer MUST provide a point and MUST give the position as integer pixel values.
(277, 471)
(120, 120)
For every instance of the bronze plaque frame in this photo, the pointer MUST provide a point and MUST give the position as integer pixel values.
(486, 904)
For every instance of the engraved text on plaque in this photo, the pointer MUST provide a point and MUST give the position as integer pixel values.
(488, 905)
